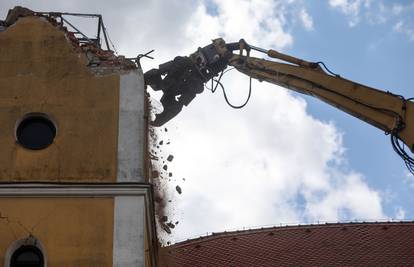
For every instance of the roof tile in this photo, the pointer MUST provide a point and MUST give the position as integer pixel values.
(350, 244)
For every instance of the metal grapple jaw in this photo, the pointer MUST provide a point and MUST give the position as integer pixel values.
(183, 78)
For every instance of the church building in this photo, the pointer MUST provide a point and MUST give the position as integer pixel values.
(73, 180)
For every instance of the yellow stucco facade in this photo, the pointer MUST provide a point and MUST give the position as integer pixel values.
(41, 72)
(73, 231)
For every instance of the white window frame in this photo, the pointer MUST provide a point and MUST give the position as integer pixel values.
(28, 241)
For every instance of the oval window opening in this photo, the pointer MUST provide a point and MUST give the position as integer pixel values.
(36, 132)
(27, 256)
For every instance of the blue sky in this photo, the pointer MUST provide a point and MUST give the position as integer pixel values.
(375, 54)
(285, 158)
(370, 42)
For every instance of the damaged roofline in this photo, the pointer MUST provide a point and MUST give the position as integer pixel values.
(99, 60)
(14, 14)
(101, 26)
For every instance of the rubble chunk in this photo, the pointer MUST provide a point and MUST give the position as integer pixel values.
(155, 174)
(166, 228)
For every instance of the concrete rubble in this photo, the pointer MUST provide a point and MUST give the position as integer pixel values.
(162, 177)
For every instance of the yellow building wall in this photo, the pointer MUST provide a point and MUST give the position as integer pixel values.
(74, 231)
(41, 72)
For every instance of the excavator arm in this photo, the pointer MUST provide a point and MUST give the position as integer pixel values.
(387, 111)
(384, 110)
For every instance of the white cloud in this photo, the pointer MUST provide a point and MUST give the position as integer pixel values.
(398, 27)
(351, 8)
(306, 19)
(251, 167)
(400, 213)
(402, 27)
(251, 20)
(257, 165)
(378, 12)
(348, 197)
(397, 9)
(268, 163)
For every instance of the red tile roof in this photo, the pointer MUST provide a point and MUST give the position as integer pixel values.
(349, 244)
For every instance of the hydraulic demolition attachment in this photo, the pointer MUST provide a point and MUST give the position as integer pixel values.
(184, 77)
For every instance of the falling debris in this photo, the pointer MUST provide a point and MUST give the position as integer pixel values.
(166, 228)
(163, 179)
(155, 174)
(153, 157)
(158, 199)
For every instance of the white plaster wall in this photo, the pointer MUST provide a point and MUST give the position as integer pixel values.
(129, 225)
(131, 136)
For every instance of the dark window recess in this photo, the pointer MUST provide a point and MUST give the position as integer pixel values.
(36, 132)
(27, 256)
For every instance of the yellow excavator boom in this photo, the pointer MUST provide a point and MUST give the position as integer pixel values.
(184, 77)
(384, 110)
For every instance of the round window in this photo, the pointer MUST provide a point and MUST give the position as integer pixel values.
(36, 131)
